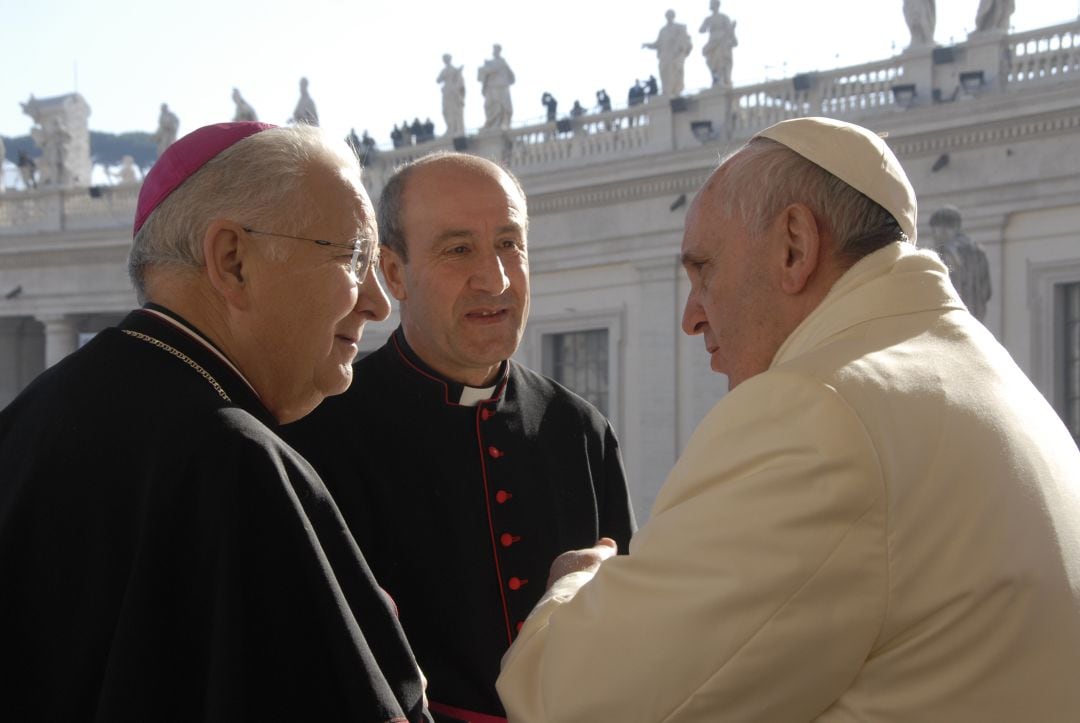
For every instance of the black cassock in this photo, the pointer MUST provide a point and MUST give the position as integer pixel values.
(165, 556)
(460, 510)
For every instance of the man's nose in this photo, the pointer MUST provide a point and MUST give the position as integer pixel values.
(490, 275)
(693, 318)
(372, 301)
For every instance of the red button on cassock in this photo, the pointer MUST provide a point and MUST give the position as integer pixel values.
(516, 583)
(495, 452)
(502, 496)
(507, 539)
(486, 414)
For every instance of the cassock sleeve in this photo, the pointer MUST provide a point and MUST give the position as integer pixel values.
(613, 499)
(754, 592)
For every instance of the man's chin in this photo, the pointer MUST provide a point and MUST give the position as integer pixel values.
(346, 377)
(331, 386)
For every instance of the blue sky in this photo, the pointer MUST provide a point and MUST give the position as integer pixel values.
(373, 63)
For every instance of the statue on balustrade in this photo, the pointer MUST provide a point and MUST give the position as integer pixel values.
(52, 139)
(51, 135)
(994, 15)
(244, 111)
(305, 107)
(968, 269)
(453, 97)
(168, 126)
(495, 78)
(127, 174)
(921, 16)
(672, 46)
(722, 40)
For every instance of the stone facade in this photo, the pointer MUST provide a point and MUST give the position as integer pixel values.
(991, 126)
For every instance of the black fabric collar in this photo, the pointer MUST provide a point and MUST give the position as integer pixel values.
(451, 389)
(236, 387)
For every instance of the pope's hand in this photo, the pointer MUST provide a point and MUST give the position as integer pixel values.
(588, 559)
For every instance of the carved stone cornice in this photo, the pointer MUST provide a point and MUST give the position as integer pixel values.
(74, 255)
(979, 135)
(667, 185)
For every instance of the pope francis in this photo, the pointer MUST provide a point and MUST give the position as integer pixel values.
(880, 521)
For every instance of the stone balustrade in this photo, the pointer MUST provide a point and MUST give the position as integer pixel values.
(50, 210)
(1046, 54)
(919, 77)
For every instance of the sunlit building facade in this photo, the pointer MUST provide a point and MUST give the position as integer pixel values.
(991, 126)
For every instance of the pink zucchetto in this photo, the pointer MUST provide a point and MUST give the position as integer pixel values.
(183, 158)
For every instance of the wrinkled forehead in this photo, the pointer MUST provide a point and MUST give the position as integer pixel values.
(711, 214)
(477, 174)
(712, 201)
(334, 189)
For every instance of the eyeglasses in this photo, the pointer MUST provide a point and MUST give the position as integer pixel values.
(362, 255)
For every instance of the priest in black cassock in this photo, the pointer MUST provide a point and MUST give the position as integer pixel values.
(164, 555)
(476, 472)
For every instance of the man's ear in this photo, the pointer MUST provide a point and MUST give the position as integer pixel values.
(393, 271)
(802, 245)
(224, 254)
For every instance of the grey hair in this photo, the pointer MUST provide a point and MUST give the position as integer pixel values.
(765, 176)
(390, 209)
(258, 181)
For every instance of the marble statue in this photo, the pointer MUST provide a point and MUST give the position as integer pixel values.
(62, 134)
(127, 174)
(672, 46)
(305, 107)
(453, 97)
(717, 50)
(168, 125)
(495, 79)
(968, 269)
(244, 111)
(52, 138)
(994, 15)
(921, 16)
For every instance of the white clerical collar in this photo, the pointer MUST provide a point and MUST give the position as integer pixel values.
(471, 396)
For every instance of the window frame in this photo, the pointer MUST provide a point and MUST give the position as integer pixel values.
(531, 352)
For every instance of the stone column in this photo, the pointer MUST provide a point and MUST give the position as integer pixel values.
(60, 337)
(651, 383)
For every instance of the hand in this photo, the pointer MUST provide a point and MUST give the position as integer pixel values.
(587, 560)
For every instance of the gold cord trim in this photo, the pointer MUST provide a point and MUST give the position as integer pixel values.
(182, 357)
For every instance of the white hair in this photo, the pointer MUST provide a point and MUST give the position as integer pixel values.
(258, 181)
